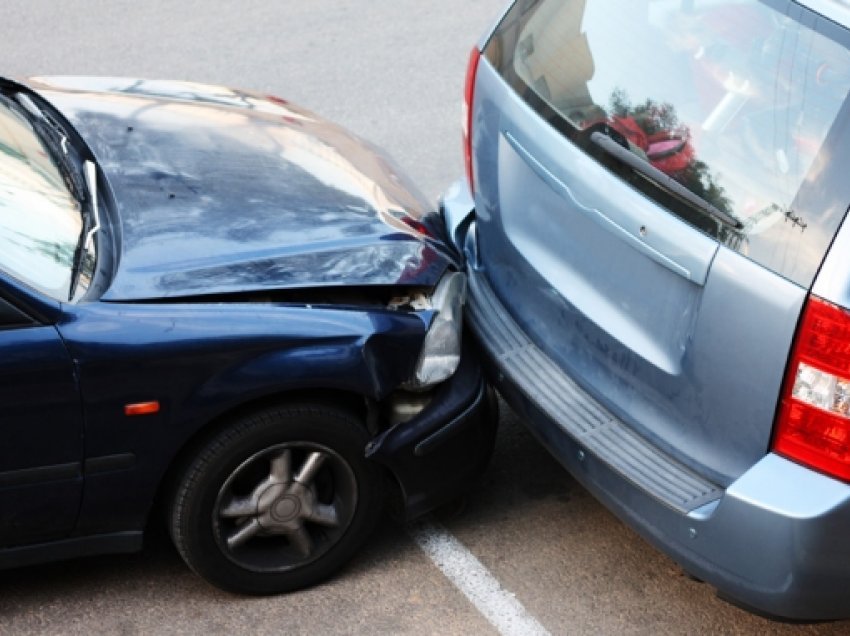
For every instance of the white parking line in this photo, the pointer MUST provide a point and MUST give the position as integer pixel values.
(499, 606)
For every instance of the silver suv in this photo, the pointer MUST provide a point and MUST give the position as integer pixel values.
(660, 272)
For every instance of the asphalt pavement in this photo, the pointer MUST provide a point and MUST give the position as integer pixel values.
(392, 71)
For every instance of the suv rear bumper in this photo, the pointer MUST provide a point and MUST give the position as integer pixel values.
(773, 541)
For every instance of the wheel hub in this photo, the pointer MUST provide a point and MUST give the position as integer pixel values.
(285, 503)
(283, 507)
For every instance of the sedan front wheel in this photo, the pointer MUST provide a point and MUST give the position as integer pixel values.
(278, 500)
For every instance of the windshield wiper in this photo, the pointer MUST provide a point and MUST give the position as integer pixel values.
(56, 142)
(610, 146)
(68, 160)
(91, 224)
(91, 183)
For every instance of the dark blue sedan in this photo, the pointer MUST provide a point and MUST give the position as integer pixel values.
(217, 302)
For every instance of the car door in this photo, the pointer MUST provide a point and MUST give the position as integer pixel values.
(41, 427)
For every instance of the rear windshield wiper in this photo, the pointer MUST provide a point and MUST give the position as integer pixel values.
(57, 144)
(612, 148)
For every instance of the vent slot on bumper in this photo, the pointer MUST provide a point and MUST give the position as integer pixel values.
(577, 413)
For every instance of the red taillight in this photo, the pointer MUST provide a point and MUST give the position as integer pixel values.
(468, 91)
(813, 423)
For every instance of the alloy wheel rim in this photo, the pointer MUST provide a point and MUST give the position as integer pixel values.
(284, 507)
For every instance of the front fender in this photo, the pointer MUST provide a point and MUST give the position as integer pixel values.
(202, 361)
(371, 365)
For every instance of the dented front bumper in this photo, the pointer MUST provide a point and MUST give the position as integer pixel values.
(437, 453)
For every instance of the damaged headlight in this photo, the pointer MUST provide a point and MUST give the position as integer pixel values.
(440, 353)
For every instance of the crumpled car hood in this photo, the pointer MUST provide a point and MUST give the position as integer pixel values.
(219, 191)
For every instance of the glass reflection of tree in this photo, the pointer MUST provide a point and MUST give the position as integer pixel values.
(59, 253)
(674, 154)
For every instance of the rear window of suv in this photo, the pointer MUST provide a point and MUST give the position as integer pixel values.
(729, 113)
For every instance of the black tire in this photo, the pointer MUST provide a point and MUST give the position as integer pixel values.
(278, 500)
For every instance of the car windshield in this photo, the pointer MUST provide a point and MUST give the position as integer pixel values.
(734, 100)
(40, 220)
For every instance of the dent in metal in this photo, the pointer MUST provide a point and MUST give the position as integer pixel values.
(220, 190)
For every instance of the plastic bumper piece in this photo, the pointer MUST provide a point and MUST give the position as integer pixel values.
(435, 455)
